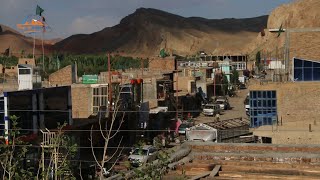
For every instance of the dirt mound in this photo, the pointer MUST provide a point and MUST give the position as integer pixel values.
(146, 31)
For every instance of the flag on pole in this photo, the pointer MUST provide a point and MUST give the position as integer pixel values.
(39, 10)
(280, 31)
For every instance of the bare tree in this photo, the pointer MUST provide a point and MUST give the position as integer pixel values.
(108, 133)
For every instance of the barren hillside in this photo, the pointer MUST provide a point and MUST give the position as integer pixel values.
(146, 31)
(298, 14)
(10, 38)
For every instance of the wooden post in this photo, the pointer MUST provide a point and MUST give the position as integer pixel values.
(177, 98)
(310, 130)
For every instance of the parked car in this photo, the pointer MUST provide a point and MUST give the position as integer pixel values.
(140, 156)
(224, 104)
(182, 128)
(242, 86)
(211, 109)
(247, 105)
(224, 98)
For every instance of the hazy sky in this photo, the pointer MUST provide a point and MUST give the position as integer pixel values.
(67, 17)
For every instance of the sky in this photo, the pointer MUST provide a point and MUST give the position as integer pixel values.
(68, 17)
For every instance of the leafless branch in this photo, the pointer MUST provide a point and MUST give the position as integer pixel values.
(94, 156)
(101, 131)
(116, 150)
(80, 173)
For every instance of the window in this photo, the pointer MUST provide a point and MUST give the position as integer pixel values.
(24, 71)
(263, 108)
(239, 65)
(306, 70)
(99, 98)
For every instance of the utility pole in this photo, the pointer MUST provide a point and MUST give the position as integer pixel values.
(214, 83)
(110, 87)
(177, 91)
(177, 97)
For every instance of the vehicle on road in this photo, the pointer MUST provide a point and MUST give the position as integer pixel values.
(242, 86)
(223, 103)
(182, 128)
(140, 156)
(211, 109)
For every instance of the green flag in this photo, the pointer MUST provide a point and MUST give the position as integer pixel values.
(280, 30)
(163, 53)
(39, 10)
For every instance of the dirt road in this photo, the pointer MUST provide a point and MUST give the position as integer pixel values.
(237, 110)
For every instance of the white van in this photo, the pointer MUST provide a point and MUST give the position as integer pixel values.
(211, 109)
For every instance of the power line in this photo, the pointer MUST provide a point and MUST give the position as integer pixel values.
(159, 130)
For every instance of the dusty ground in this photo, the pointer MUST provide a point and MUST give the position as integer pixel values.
(237, 110)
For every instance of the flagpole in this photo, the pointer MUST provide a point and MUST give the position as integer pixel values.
(34, 44)
(42, 51)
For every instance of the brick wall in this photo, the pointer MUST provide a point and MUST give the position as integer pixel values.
(81, 101)
(165, 64)
(298, 106)
(61, 77)
(184, 83)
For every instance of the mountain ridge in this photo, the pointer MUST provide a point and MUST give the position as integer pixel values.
(148, 30)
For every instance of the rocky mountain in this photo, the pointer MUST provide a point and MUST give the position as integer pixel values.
(147, 31)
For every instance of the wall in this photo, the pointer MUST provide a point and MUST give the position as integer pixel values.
(29, 61)
(81, 100)
(291, 154)
(304, 45)
(61, 77)
(164, 64)
(150, 91)
(184, 83)
(298, 106)
(12, 70)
